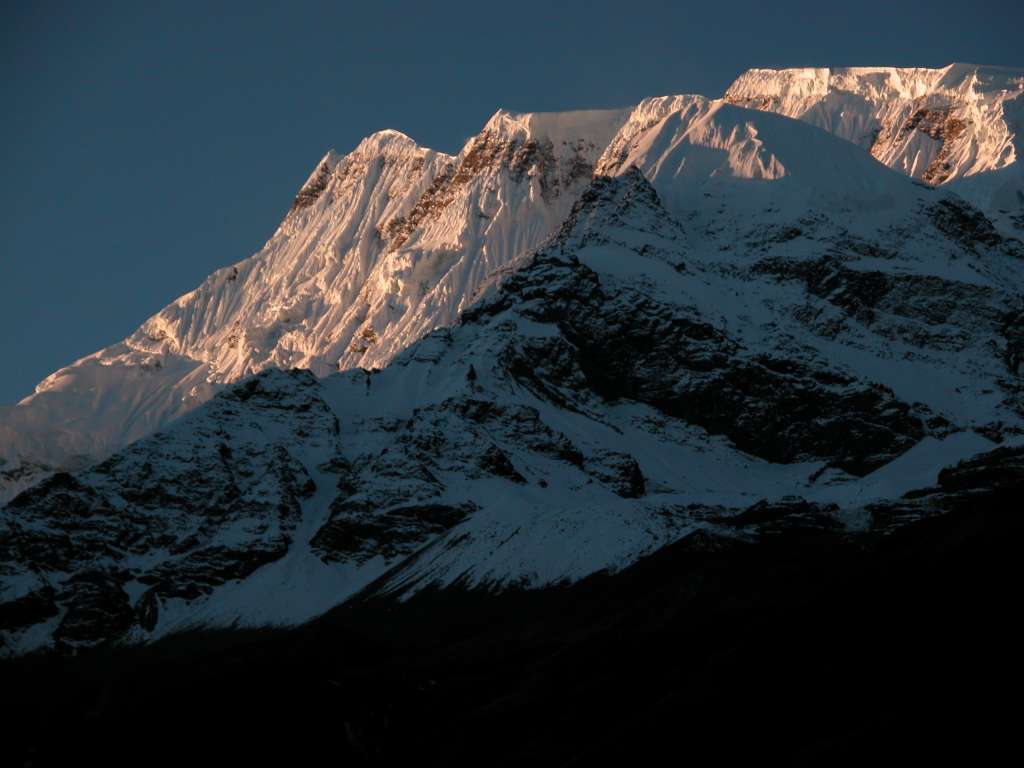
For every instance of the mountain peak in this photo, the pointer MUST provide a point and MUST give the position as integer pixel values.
(722, 149)
(596, 126)
(642, 118)
(387, 141)
(933, 124)
(873, 82)
(389, 144)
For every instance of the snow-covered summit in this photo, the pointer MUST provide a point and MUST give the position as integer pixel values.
(380, 246)
(760, 160)
(644, 116)
(932, 124)
(594, 126)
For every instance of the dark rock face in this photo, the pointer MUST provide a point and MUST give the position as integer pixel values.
(942, 124)
(95, 606)
(358, 532)
(924, 311)
(390, 504)
(996, 473)
(619, 471)
(967, 225)
(311, 192)
(780, 418)
(623, 345)
(438, 195)
(1013, 331)
(496, 462)
(216, 496)
(1002, 469)
(27, 610)
(200, 570)
(788, 514)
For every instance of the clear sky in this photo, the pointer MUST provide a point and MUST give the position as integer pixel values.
(145, 144)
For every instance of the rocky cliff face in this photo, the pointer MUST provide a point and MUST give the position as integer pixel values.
(172, 518)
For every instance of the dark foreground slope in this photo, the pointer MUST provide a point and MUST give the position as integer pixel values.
(802, 645)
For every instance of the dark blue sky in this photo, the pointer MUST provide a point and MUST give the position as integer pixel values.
(146, 144)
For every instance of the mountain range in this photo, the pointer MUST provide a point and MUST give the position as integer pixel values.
(585, 338)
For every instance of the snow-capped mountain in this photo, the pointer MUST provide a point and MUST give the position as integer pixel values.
(379, 247)
(393, 240)
(744, 308)
(962, 123)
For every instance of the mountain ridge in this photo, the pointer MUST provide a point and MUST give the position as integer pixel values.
(392, 240)
(602, 398)
(955, 124)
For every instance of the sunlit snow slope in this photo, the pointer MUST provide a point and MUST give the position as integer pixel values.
(380, 246)
(962, 123)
